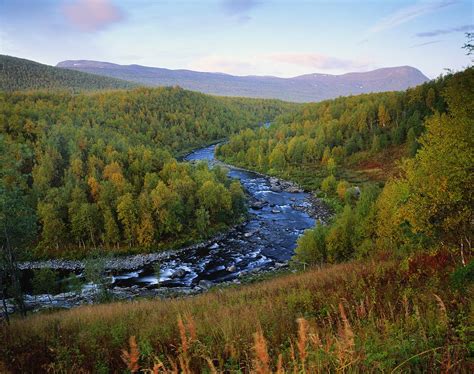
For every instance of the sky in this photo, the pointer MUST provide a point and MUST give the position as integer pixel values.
(242, 37)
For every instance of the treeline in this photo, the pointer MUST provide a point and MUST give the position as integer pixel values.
(427, 207)
(20, 74)
(338, 131)
(98, 170)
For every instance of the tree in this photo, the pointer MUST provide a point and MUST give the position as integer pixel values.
(412, 143)
(146, 226)
(441, 179)
(311, 248)
(17, 229)
(341, 189)
(238, 197)
(202, 221)
(44, 281)
(277, 157)
(17, 220)
(331, 166)
(383, 116)
(128, 216)
(111, 234)
(95, 273)
(215, 199)
(167, 207)
(339, 238)
(328, 185)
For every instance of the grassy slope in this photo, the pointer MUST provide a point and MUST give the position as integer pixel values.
(22, 74)
(358, 317)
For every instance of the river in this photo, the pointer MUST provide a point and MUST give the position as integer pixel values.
(266, 241)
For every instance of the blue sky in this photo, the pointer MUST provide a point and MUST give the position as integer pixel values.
(242, 37)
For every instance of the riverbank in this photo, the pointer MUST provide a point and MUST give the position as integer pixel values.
(279, 212)
(128, 262)
(315, 208)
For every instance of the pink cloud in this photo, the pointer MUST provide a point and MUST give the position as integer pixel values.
(223, 64)
(92, 15)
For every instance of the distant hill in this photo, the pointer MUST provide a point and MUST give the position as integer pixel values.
(304, 88)
(20, 74)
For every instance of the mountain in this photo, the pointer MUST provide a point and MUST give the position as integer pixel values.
(20, 74)
(304, 88)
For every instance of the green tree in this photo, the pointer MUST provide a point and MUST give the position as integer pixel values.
(328, 185)
(202, 221)
(128, 216)
(44, 281)
(311, 248)
(339, 238)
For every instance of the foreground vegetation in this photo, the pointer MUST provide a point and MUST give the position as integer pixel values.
(380, 315)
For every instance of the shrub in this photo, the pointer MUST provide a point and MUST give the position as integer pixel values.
(328, 185)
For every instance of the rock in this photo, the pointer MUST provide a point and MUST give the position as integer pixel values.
(178, 274)
(293, 189)
(204, 283)
(275, 188)
(257, 205)
(248, 234)
(232, 268)
(275, 211)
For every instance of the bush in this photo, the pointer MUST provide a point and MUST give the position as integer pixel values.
(328, 185)
(463, 277)
(311, 247)
(342, 188)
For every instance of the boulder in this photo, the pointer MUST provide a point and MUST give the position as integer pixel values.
(232, 268)
(204, 283)
(257, 205)
(178, 274)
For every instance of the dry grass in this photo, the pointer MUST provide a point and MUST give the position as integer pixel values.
(355, 317)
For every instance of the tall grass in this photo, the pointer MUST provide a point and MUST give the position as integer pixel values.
(375, 316)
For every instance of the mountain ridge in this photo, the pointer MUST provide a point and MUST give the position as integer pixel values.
(302, 88)
(17, 73)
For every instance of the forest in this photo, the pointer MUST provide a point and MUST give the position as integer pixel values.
(428, 201)
(98, 170)
(21, 74)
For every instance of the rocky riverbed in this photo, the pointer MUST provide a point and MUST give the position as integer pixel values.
(279, 212)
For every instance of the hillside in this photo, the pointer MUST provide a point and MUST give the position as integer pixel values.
(21, 74)
(305, 88)
(401, 302)
(97, 170)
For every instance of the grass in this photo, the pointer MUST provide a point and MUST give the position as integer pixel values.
(377, 316)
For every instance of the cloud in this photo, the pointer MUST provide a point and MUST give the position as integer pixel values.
(92, 15)
(278, 64)
(317, 61)
(428, 34)
(223, 64)
(409, 13)
(426, 43)
(238, 7)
